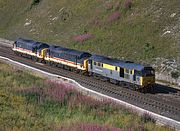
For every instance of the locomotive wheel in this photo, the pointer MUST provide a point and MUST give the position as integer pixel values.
(90, 73)
(152, 90)
(19, 54)
(43, 61)
(49, 63)
(77, 71)
(35, 59)
(60, 65)
(114, 81)
(15, 52)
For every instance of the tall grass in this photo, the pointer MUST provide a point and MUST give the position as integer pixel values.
(47, 105)
(137, 24)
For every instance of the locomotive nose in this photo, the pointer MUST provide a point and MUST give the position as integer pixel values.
(148, 80)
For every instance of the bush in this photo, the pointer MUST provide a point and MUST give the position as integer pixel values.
(83, 37)
(175, 74)
(148, 47)
(88, 127)
(35, 2)
(148, 50)
(114, 16)
(128, 4)
(147, 118)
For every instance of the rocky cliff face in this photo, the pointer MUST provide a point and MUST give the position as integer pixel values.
(167, 70)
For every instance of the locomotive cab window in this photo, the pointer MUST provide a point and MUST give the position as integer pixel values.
(149, 72)
(116, 68)
(138, 73)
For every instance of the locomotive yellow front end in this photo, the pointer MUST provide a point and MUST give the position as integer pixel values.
(147, 81)
(148, 77)
(86, 65)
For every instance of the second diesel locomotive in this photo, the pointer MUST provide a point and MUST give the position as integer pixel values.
(135, 76)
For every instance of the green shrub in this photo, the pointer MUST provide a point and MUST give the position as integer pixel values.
(44, 105)
(175, 74)
(34, 2)
(147, 118)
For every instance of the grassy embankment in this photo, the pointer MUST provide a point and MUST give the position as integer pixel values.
(30, 102)
(132, 32)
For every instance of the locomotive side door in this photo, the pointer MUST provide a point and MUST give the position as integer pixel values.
(137, 76)
(121, 73)
(134, 76)
(76, 60)
(90, 62)
(44, 52)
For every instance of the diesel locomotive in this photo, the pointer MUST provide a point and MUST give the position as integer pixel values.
(125, 73)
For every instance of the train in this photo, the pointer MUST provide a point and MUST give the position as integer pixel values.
(128, 74)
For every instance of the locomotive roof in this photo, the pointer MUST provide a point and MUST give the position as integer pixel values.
(30, 43)
(25, 41)
(116, 62)
(59, 49)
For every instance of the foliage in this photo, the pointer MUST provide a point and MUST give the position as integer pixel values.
(147, 118)
(35, 2)
(175, 74)
(114, 16)
(148, 50)
(47, 105)
(138, 23)
(83, 37)
(89, 127)
(128, 4)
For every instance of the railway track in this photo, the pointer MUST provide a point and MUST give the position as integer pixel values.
(151, 102)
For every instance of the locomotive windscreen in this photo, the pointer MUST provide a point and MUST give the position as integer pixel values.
(148, 71)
